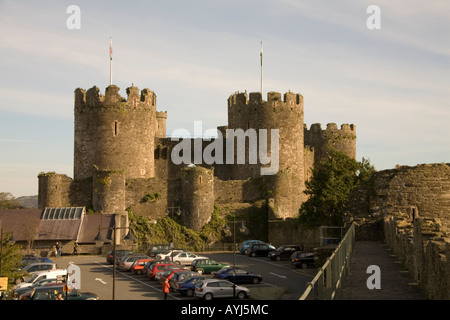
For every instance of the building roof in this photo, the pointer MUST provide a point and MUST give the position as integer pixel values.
(65, 224)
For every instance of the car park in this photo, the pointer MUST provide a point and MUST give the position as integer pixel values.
(127, 261)
(185, 258)
(303, 259)
(186, 287)
(205, 266)
(215, 288)
(119, 255)
(52, 293)
(238, 275)
(138, 266)
(283, 252)
(259, 249)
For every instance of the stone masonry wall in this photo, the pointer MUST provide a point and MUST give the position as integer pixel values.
(423, 245)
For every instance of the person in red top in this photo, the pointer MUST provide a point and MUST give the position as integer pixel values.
(165, 288)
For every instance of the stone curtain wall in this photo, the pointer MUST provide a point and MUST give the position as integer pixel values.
(423, 246)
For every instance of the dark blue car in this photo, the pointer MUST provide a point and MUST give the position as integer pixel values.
(239, 276)
(187, 286)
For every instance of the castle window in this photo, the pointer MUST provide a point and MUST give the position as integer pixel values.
(200, 180)
(116, 128)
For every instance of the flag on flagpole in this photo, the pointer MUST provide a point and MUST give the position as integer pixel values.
(261, 53)
(110, 48)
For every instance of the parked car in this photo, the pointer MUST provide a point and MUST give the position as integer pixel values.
(38, 283)
(260, 249)
(127, 261)
(158, 268)
(138, 266)
(40, 275)
(303, 259)
(185, 258)
(30, 258)
(119, 255)
(186, 287)
(52, 292)
(283, 252)
(166, 255)
(205, 266)
(26, 295)
(154, 249)
(215, 288)
(166, 274)
(246, 244)
(238, 276)
(32, 268)
(180, 275)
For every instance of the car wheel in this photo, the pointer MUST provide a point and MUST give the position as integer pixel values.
(208, 296)
(178, 262)
(252, 254)
(278, 258)
(241, 295)
(200, 271)
(255, 280)
(304, 265)
(190, 293)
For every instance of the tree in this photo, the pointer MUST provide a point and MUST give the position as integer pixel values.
(7, 201)
(10, 260)
(329, 188)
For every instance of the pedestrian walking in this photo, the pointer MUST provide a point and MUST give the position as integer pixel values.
(165, 288)
(59, 248)
(75, 249)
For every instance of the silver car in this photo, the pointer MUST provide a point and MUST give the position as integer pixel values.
(215, 288)
(126, 262)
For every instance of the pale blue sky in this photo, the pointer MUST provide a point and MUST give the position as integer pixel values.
(392, 83)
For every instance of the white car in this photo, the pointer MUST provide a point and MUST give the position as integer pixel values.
(167, 255)
(186, 258)
(46, 274)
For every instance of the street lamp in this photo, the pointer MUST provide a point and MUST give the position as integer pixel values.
(100, 240)
(243, 229)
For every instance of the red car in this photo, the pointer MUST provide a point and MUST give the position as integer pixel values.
(159, 268)
(138, 266)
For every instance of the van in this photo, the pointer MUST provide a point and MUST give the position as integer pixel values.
(46, 274)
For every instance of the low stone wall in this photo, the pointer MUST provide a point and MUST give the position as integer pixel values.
(423, 245)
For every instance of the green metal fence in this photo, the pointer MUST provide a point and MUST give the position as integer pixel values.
(327, 284)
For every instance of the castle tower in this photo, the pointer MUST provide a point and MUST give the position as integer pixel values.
(286, 116)
(114, 133)
(343, 140)
(198, 197)
(161, 118)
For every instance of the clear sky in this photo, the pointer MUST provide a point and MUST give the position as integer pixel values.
(393, 83)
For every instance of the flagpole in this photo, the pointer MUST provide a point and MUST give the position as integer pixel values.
(110, 61)
(261, 69)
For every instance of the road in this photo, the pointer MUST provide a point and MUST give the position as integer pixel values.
(97, 277)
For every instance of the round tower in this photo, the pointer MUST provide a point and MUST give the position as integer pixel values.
(280, 119)
(114, 133)
(198, 197)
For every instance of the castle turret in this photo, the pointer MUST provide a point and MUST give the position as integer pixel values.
(283, 117)
(115, 133)
(343, 140)
(198, 197)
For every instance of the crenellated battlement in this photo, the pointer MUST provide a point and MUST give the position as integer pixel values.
(331, 127)
(94, 98)
(273, 99)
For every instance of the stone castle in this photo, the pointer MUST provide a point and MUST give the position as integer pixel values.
(123, 158)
